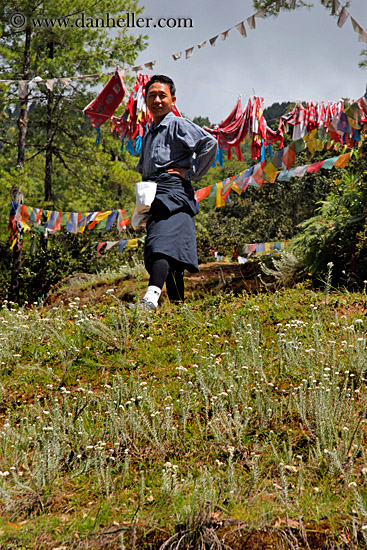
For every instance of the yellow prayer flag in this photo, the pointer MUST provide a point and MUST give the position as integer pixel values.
(237, 189)
(312, 142)
(102, 215)
(270, 172)
(132, 243)
(81, 228)
(25, 226)
(219, 200)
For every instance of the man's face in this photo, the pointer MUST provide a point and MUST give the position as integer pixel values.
(159, 100)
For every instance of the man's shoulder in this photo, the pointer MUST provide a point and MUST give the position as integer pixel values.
(188, 125)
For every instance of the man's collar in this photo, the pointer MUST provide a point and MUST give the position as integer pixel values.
(164, 122)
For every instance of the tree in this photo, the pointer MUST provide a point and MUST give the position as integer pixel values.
(201, 121)
(49, 44)
(61, 50)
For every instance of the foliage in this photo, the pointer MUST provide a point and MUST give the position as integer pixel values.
(56, 124)
(271, 213)
(338, 231)
(273, 113)
(273, 7)
(250, 407)
(201, 121)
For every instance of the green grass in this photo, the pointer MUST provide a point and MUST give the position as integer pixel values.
(240, 413)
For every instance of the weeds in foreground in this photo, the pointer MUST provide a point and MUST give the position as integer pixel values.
(220, 408)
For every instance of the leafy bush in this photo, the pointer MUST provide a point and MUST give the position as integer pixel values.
(338, 231)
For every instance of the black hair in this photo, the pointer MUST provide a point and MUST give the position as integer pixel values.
(161, 78)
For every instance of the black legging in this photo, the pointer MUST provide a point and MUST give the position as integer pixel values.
(164, 269)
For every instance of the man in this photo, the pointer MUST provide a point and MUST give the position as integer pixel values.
(167, 158)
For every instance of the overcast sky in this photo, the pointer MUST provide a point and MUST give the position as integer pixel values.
(297, 55)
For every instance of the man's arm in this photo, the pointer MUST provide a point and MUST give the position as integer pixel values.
(139, 166)
(199, 142)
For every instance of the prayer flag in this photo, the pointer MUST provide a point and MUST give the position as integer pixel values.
(132, 243)
(189, 52)
(343, 16)
(23, 88)
(201, 194)
(329, 163)
(219, 199)
(300, 171)
(260, 13)
(106, 103)
(241, 28)
(122, 245)
(123, 219)
(251, 22)
(100, 245)
(315, 167)
(224, 34)
(111, 219)
(289, 158)
(335, 7)
(342, 160)
(149, 66)
(110, 244)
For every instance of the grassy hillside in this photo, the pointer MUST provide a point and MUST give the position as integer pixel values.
(230, 422)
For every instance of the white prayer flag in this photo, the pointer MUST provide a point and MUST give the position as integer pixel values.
(251, 22)
(86, 76)
(356, 26)
(213, 40)
(189, 52)
(66, 81)
(336, 6)
(23, 88)
(50, 84)
(241, 28)
(110, 244)
(176, 56)
(344, 14)
(224, 34)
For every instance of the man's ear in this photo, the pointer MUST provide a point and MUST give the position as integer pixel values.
(174, 100)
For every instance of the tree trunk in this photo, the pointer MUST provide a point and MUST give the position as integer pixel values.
(23, 113)
(17, 194)
(49, 139)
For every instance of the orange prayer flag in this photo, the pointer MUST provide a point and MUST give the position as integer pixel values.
(342, 160)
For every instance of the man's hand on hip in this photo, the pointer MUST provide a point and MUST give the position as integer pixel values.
(176, 170)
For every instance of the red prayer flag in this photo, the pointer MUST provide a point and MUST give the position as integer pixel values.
(201, 194)
(100, 245)
(106, 103)
(124, 218)
(315, 167)
(289, 158)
